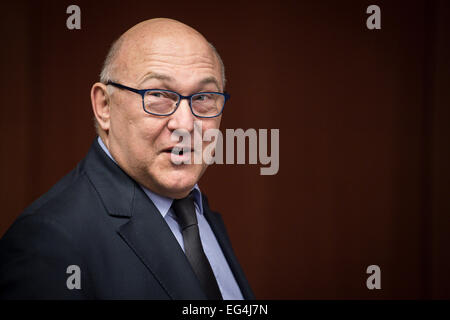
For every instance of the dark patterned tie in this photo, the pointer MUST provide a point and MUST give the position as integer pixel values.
(185, 211)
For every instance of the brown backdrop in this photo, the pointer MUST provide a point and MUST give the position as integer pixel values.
(364, 176)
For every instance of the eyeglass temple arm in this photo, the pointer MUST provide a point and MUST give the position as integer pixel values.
(121, 86)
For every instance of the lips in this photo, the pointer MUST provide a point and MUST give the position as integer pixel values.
(178, 150)
(178, 156)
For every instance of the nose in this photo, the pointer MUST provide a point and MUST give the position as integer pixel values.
(182, 118)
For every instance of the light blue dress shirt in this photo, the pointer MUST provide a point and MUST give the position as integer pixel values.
(225, 279)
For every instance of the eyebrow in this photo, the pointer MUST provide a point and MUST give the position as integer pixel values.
(158, 76)
(163, 77)
(209, 80)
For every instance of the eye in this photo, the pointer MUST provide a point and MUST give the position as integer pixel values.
(201, 97)
(156, 94)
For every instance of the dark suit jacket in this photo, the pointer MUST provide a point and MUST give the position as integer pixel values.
(99, 219)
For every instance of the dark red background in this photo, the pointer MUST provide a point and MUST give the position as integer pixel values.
(364, 132)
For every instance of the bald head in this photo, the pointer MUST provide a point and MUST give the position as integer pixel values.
(153, 36)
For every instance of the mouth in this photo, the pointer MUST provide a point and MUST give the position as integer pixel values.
(178, 150)
(179, 155)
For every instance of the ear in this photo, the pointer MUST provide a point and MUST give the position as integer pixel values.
(101, 105)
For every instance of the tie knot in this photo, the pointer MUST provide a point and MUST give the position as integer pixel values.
(185, 211)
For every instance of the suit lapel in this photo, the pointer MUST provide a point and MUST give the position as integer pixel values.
(218, 227)
(149, 236)
(146, 232)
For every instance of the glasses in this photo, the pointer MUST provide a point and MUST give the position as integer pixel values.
(161, 102)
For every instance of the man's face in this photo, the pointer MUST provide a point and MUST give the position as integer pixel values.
(141, 142)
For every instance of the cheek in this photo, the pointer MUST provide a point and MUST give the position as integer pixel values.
(211, 124)
(153, 129)
(122, 117)
(135, 131)
(133, 123)
(149, 136)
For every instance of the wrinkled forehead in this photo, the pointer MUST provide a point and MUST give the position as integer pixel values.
(190, 52)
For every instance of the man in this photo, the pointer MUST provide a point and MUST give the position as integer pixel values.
(129, 223)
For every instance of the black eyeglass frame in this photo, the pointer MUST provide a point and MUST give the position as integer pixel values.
(142, 92)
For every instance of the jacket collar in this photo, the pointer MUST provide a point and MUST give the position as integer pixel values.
(145, 232)
(115, 188)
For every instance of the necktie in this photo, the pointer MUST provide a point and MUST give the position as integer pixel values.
(185, 212)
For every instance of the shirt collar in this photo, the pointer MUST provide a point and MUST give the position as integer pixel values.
(162, 203)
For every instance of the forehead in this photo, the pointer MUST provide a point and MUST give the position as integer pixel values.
(190, 55)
